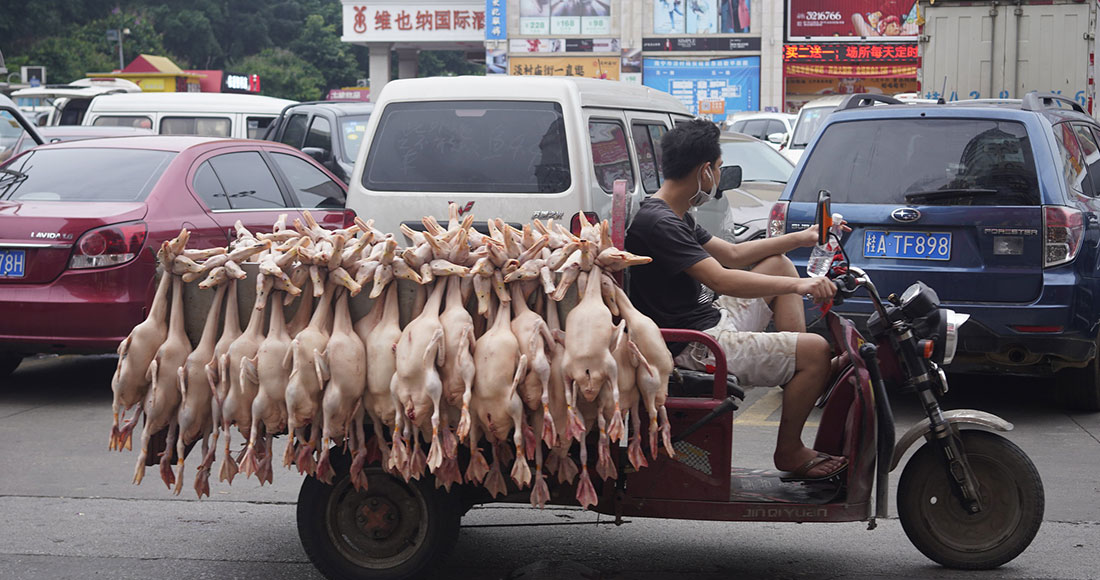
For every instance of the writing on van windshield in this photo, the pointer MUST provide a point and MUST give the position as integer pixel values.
(494, 146)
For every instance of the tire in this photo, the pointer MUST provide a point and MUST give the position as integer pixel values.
(393, 530)
(9, 361)
(1012, 501)
(1079, 389)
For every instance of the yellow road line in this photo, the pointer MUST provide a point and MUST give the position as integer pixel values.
(758, 413)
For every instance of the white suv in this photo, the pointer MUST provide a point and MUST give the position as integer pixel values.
(771, 128)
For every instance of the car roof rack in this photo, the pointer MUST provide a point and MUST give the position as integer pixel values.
(866, 100)
(1036, 101)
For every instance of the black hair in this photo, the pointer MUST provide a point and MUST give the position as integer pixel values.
(687, 145)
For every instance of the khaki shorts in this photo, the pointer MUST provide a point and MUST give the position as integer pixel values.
(755, 357)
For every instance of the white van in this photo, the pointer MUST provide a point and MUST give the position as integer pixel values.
(66, 104)
(204, 114)
(512, 147)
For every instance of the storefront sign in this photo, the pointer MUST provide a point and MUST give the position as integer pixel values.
(407, 22)
(701, 16)
(700, 84)
(566, 66)
(861, 52)
(702, 44)
(542, 17)
(496, 16)
(833, 20)
(238, 83)
(537, 45)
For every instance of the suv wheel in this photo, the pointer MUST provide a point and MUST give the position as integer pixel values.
(1079, 389)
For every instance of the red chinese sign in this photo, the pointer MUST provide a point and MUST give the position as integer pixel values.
(424, 22)
(864, 52)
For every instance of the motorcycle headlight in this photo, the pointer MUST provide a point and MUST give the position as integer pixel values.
(951, 333)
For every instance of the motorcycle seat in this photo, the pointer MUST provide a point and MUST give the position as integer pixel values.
(689, 383)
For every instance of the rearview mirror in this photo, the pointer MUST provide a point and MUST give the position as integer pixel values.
(318, 154)
(777, 138)
(730, 178)
(824, 217)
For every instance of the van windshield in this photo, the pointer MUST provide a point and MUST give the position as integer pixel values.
(923, 162)
(469, 146)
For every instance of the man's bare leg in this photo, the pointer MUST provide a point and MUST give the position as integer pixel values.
(788, 313)
(812, 361)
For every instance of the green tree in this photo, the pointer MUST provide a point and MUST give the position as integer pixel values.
(189, 34)
(284, 74)
(320, 45)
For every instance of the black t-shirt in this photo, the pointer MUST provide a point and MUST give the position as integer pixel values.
(662, 289)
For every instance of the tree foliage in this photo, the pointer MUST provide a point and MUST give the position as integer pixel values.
(69, 38)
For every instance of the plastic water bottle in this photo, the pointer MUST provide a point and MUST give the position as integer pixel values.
(821, 258)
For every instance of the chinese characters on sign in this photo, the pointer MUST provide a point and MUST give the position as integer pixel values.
(849, 52)
(591, 67)
(381, 22)
(496, 19)
(714, 88)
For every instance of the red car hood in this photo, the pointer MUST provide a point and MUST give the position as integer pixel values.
(46, 231)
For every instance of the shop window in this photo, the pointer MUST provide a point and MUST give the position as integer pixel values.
(610, 154)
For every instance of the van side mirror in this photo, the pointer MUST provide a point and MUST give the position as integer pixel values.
(730, 178)
(777, 138)
(318, 154)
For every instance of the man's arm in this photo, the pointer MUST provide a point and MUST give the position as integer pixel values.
(746, 254)
(744, 284)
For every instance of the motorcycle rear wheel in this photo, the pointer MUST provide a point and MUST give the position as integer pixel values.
(1011, 495)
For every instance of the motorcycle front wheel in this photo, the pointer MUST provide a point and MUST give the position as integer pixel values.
(1011, 495)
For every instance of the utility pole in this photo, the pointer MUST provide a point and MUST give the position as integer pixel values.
(114, 34)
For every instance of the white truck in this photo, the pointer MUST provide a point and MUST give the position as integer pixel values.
(1002, 49)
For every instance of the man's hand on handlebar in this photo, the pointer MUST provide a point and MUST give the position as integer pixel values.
(820, 289)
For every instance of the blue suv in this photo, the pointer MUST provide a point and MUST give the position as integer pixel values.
(995, 204)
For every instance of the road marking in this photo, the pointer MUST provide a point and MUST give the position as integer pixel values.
(758, 413)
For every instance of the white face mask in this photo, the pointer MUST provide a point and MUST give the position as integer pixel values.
(701, 197)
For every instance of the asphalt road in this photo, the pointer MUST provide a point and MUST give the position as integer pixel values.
(70, 511)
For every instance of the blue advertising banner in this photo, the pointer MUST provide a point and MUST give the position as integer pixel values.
(496, 19)
(709, 88)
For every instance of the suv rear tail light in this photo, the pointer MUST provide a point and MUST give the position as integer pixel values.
(777, 220)
(1063, 231)
(575, 223)
(109, 245)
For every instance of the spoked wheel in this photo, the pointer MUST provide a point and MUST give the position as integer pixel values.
(391, 530)
(1011, 496)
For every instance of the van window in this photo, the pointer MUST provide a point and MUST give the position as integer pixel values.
(320, 134)
(201, 126)
(610, 156)
(257, 126)
(295, 130)
(922, 161)
(247, 181)
(140, 121)
(655, 133)
(311, 185)
(469, 146)
(647, 159)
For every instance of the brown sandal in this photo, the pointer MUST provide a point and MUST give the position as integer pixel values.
(800, 474)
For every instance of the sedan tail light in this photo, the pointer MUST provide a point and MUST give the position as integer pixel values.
(349, 218)
(109, 245)
(777, 220)
(1063, 231)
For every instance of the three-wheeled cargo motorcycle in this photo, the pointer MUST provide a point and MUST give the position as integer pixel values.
(967, 498)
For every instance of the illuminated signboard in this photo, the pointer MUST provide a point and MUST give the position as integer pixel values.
(864, 52)
(408, 22)
(238, 83)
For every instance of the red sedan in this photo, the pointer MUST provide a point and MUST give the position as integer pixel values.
(80, 223)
